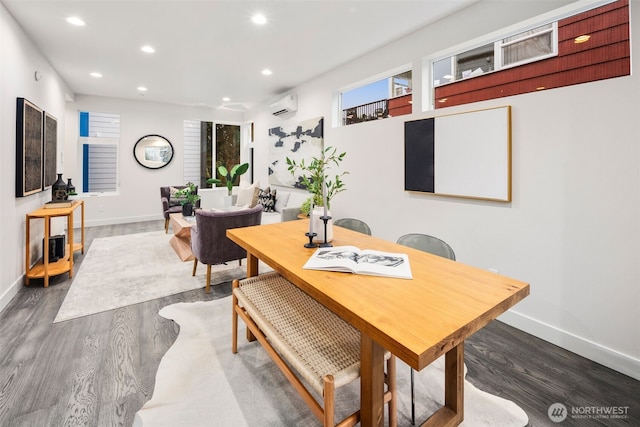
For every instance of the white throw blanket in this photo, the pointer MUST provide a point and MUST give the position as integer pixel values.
(201, 383)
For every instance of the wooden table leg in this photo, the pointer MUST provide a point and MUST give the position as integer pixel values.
(47, 231)
(252, 265)
(70, 236)
(27, 261)
(452, 413)
(371, 382)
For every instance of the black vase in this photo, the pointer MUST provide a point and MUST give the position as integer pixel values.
(59, 189)
(70, 187)
(187, 209)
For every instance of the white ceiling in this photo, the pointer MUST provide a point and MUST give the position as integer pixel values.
(210, 49)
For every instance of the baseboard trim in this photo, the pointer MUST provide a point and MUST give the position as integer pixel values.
(121, 220)
(11, 292)
(605, 356)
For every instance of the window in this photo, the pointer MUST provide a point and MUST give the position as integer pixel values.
(202, 157)
(99, 140)
(527, 46)
(388, 97)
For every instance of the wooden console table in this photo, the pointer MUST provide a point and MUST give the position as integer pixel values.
(43, 268)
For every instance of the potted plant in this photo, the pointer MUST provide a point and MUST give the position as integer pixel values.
(314, 176)
(230, 176)
(189, 197)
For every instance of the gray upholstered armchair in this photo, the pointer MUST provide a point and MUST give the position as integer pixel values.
(171, 206)
(209, 242)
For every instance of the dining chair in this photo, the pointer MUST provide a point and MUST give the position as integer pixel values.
(353, 224)
(434, 246)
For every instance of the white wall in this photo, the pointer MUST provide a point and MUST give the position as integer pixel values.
(19, 60)
(573, 228)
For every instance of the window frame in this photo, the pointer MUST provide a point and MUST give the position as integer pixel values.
(245, 140)
(387, 75)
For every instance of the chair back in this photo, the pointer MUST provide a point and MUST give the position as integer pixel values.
(209, 241)
(353, 224)
(427, 243)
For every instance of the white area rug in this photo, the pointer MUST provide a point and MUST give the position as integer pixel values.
(201, 383)
(129, 269)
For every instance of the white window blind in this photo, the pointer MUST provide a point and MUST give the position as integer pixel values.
(101, 162)
(191, 171)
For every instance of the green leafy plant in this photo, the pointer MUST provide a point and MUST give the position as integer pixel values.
(188, 194)
(230, 176)
(315, 174)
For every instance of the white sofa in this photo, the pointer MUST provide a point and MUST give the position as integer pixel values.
(287, 207)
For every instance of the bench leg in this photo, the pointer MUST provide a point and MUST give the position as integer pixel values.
(329, 401)
(234, 318)
(206, 289)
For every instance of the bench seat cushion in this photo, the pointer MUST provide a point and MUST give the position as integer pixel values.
(314, 340)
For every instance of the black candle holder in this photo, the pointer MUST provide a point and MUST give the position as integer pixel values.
(310, 244)
(325, 244)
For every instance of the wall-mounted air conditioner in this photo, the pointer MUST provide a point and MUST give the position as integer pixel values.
(286, 105)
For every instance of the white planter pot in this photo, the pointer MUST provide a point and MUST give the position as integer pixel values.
(318, 225)
(227, 201)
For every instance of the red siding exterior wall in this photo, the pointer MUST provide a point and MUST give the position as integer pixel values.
(400, 105)
(604, 56)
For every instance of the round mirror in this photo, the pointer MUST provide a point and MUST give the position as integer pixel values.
(153, 151)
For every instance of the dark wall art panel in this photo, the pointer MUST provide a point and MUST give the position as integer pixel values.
(419, 155)
(29, 163)
(50, 143)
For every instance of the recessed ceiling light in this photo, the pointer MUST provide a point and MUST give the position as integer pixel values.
(226, 99)
(259, 19)
(267, 72)
(442, 100)
(147, 49)
(582, 39)
(540, 88)
(94, 74)
(74, 20)
(142, 88)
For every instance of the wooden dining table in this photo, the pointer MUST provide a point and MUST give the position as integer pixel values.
(418, 319)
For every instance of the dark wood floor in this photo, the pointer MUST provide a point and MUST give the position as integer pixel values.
(99, 370)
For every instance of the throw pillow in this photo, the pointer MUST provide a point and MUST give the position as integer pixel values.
(263, 195)
(267, 199)
(247, 197)
(282, 200)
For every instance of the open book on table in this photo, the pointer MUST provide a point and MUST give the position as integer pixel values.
(354, 260)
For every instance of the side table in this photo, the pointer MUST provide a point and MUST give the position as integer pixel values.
(181, 239)
(44, 269)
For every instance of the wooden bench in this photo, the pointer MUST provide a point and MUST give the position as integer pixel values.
(322, 348)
